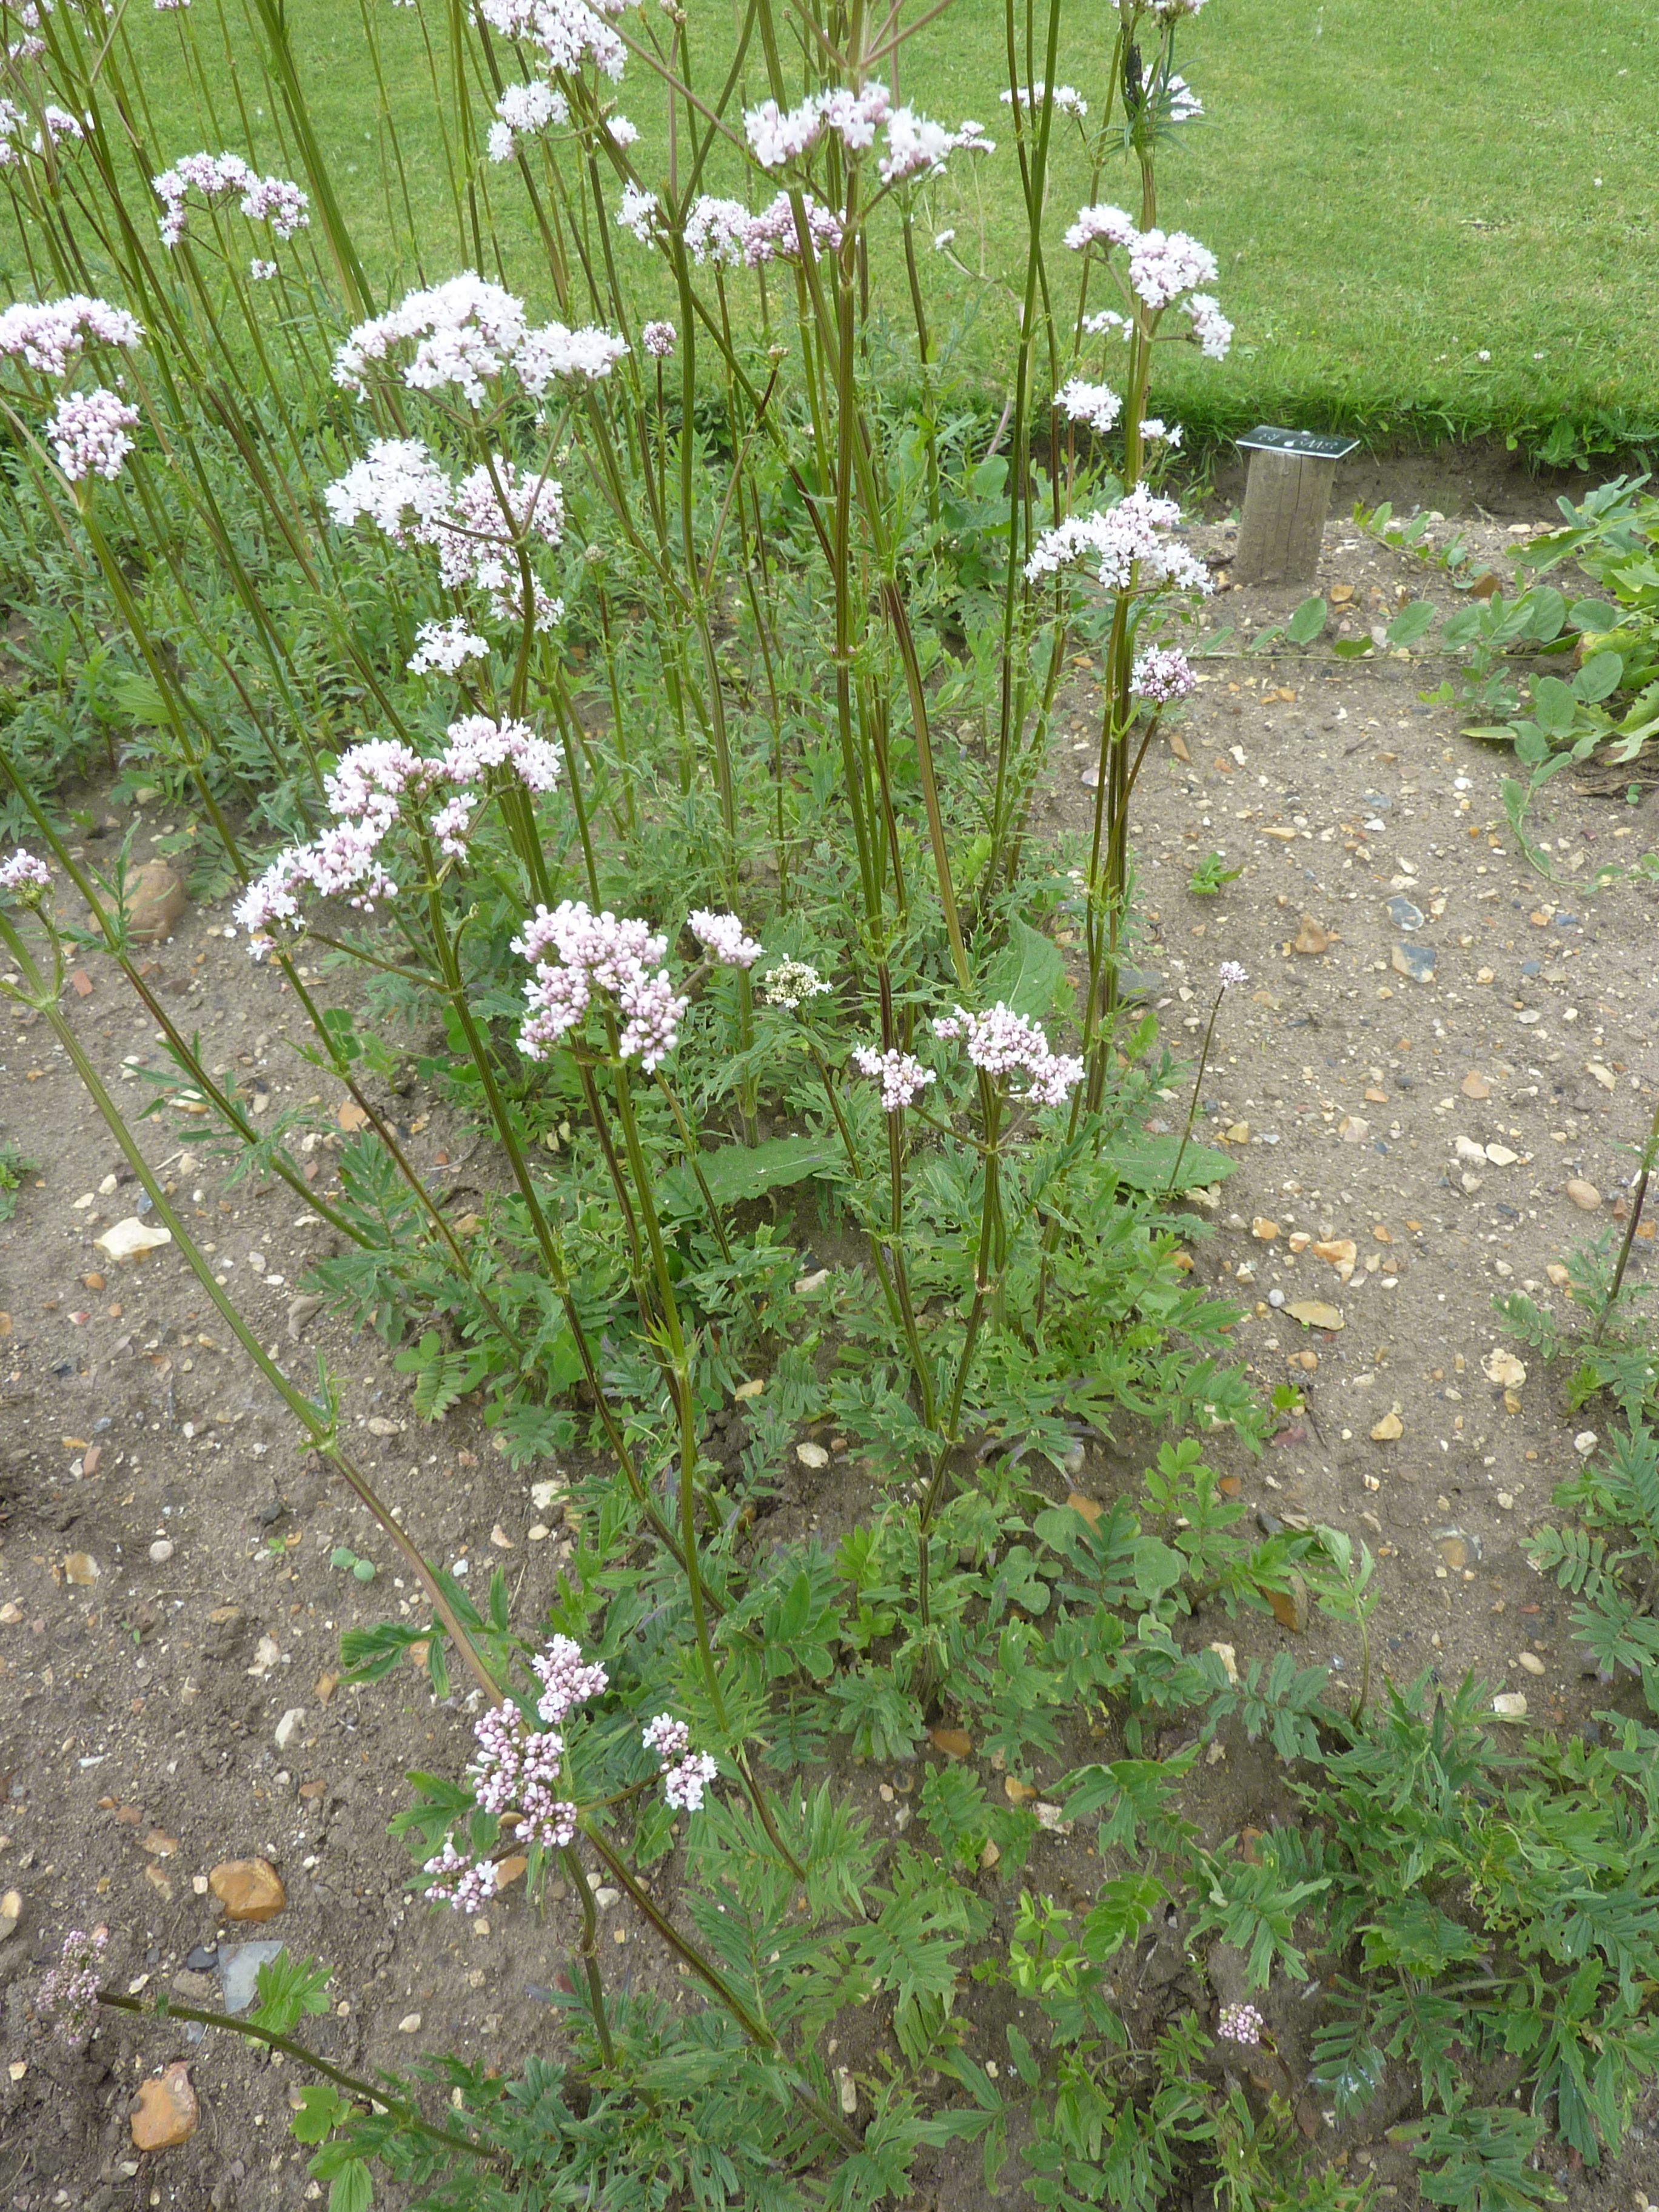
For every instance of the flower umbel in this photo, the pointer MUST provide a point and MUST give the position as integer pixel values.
(1240, 2023)
(686, 1774)
(69, 1992)
(596, 952)
(1231, 974)
(25, 875)
(902, 1078)
(792, 983)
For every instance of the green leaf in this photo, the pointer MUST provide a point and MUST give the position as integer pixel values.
(1554, 706)
(1350, 649)
(353, 2189)
(1305, 624)
(1411, 622)
(1147, 1163)
(289, 1990)
(740, 1171)
(1029, 974)
(1599, 677)
(322, 2108)
(1123, 1908)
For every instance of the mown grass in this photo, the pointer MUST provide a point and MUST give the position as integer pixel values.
(1393, 193)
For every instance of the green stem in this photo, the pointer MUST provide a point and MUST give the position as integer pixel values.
(1198, 1085)
(370, 2092)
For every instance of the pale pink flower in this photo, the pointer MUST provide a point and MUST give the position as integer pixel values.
(464, 1884)
(69, 1994)
(89, 433)
(274, 200)
(447, 646)
(1068, 99)
(1096, 404)
(721, 934)
(1002, 1043)
(566, 1681)
(1211, 332)
(902, 1078)
(566, 31)
(48, 335)
(24, 874)
(1102, 225)
(597, 951)
(1163, 674)
(1125, 539)
(658, 339)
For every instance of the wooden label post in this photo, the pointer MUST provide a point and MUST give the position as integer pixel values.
(1287, 498)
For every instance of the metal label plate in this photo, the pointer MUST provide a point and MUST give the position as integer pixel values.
(1264, 439)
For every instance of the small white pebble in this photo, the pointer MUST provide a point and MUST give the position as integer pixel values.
(1505, 1501)
(161, 1552)
(409, 2024)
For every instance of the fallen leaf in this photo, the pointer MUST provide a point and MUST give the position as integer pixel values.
(82, 1569)
(1376, 1097)
(1312, 1314)
(749, 1389)
(1088, 1507)
(81, 982)
(1178, 746)
(1341, 594)
(1310, 938)
(351, 1116)
(1017, 1793)
(955, 1743)
(509, 1869)
(1501, 1366)
(1229, 1657)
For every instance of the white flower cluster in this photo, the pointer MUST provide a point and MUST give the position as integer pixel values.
(18, 140)
(1068, 99)
(475, 526)
(367, 791)
(519, 1769)
(274, 200)
(686, 1773)
(721, 936)
(469, 333)
(524, 107)
(915, 144)
(1155, 431)
(658, 340)
(90, 434)
(728, 235)
(24, 874)
(1163, 674)
(639, 211)
(48, 335)
(597, 953)
(1096, 404)
(1126, 541)
(446, 647)
(792, 983)
(1164, 267)
(1002, 1044)
(902, 1077)
(566, 31)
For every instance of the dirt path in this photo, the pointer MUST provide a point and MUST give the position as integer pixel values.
(140, 1709)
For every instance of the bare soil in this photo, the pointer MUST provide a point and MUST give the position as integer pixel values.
(138, 1712)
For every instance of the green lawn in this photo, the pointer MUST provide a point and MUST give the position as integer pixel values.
(1392, 190)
